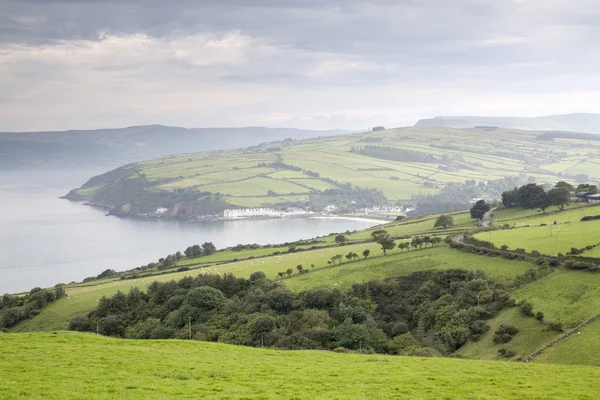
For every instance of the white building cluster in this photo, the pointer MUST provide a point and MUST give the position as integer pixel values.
(261, 212)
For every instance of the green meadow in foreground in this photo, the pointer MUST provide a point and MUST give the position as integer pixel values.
(76, 366)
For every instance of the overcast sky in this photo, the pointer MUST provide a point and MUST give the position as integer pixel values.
(76, 64)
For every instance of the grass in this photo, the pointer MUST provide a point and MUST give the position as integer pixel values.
(521, 217)
(550, 239)
(582, 348)
(344, 275)
(532, 335)
(565, 295)
(74, 366)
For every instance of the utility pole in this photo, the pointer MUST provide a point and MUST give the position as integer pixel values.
(190, 326)
(550, 225)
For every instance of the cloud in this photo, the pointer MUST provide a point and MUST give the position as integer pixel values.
(352, 63)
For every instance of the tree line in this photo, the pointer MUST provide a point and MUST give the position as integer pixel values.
(14, 309)
(533, 196)
(394, 154)
(428, 313)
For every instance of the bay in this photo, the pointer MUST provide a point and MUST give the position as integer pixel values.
(45, 240)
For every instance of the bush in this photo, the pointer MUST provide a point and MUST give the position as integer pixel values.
(527, 308)
(505, 333)
(111, 326)
(590, 218)
(539, 316)
(506, 352)
(556, 326)
(80, 323)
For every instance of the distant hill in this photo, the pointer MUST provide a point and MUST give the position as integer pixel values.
(588, 123)
(118, 146)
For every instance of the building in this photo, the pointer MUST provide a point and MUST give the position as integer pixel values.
(593, 198)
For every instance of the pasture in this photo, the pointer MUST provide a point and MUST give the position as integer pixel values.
(579, 349)
(551, 239)
(565, 295)
(69, 365)
(532, 335)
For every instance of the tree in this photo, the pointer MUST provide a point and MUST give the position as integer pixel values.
(559, 197)
(205, 298)
(403, 245)
(444, 221)
(208, 248)
(529, 195)
(510, 198)
(341, 240)
(382, 238)
(257, 276)
(111, 326)
(299, 268)
(542, 201)
(480, 209)
(280, 275)
(564, 185)
(80, 323)
(366, 253)
(289, 271)
(586, 187)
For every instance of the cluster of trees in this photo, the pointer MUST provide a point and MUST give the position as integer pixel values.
(456, 196)
(444, 221)
(383, 238)
(206, 249)
(14, 309)
(426, 313)
(532, 196)
(395, 154)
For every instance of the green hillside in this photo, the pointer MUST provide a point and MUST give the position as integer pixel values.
(318, 172)
(69, 366)
(538, 231)
(579, 349)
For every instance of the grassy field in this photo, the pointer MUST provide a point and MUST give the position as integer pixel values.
(74, 366)
(550, 239)
(532, 335)
(521, 217)
(244, 177)
(565, 295)
(84, 298)
(580, 349)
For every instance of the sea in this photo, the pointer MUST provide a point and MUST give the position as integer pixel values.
(45, 240)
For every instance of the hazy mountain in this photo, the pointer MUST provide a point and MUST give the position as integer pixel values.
(589, 123)
(119, 146)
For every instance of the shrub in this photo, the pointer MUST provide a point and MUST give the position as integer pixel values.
(506, 352)
(539, 316)
(80, 323)
(556, 326)
(526, 307)
(505, 333)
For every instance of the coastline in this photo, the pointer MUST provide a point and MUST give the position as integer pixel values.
(376, 221)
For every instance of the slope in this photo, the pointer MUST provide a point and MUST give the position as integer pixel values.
(316, 173)
(89, 366)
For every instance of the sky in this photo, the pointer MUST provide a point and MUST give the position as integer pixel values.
(313, 64)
